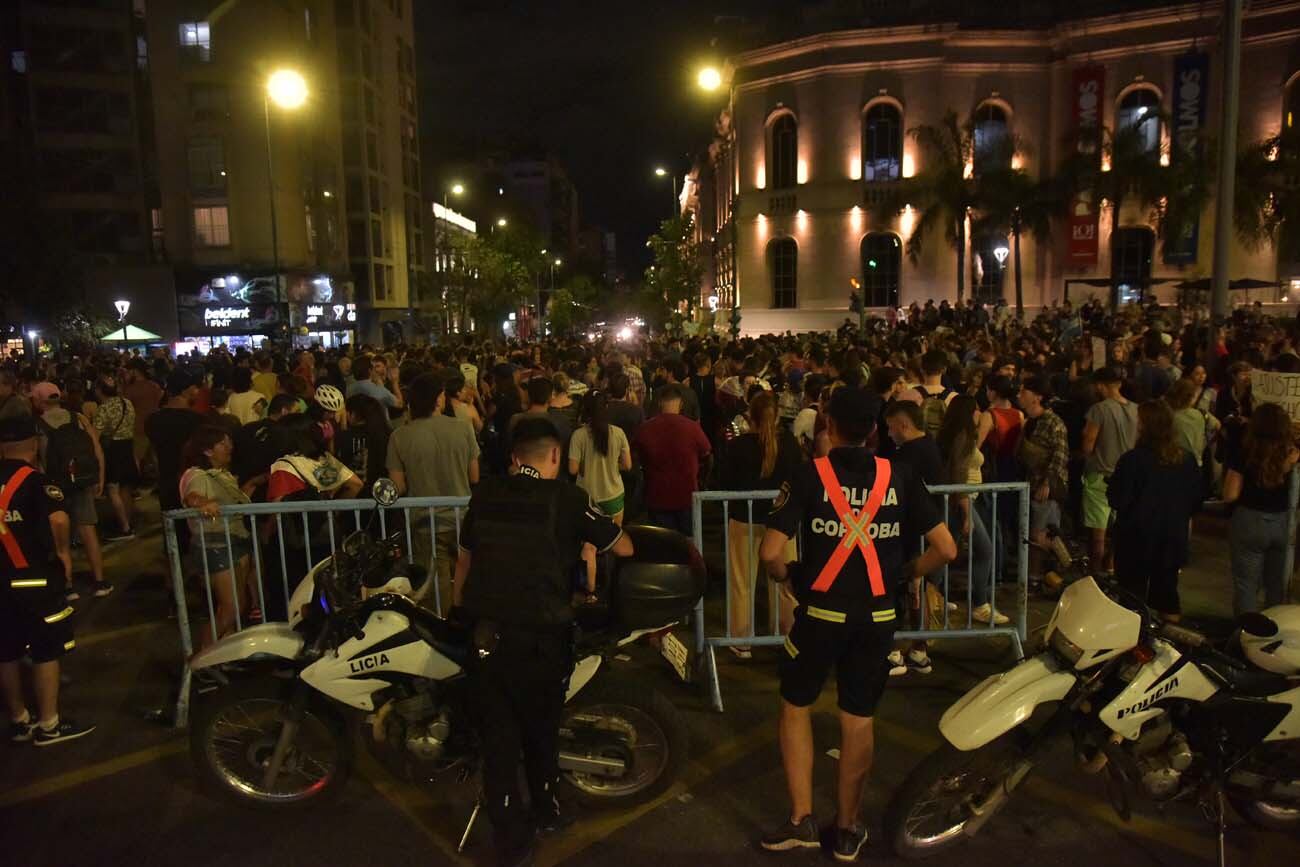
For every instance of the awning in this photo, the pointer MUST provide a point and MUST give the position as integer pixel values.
(131, 334)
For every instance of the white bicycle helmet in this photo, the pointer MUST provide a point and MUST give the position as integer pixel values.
(1271, 639)
(329, 397)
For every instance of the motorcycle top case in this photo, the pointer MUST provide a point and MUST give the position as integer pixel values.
(660, 583)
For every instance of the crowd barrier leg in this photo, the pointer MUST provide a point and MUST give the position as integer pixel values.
(181, 718)
(706, 664)
(1022, 620)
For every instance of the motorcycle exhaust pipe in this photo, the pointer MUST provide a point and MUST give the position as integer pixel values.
(981, 813)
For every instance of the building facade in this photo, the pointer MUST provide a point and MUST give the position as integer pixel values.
(280, 222)
(816, 132)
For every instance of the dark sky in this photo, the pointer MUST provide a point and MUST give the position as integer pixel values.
(608, 88)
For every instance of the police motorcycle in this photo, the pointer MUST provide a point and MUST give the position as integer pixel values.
(361, 664)
(1157, 707)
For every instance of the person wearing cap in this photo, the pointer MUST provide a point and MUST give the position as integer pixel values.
(856, 511)
(1109, 430)
(1044, 453)
(35, 618)
(58, 453)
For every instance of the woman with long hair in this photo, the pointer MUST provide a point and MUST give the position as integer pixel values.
(1257, 480)
(597, 453)
(959, 444)
(1155, 490)
(764, 458)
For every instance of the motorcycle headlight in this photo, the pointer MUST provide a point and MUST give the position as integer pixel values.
(1063, 647)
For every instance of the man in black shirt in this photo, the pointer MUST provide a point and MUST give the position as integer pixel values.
(519, 545)
(34, 568)
(856, 512)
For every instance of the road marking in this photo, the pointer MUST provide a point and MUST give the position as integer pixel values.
(414, 803)
(91, 773)
(84, 641)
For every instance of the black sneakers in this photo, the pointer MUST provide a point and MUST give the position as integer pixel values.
(848, 843)
(22, 732)
(66, 730)
(792, 835)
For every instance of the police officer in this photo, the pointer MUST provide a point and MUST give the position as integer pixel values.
(519, 545)
(855, 510)
(34, 568)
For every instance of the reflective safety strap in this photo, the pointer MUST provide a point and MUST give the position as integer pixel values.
(828, 616)
(70, 645)
(790, 648)
(62, 615)
(883, 616)
(855, 536)
(27, 582)
(11, 546)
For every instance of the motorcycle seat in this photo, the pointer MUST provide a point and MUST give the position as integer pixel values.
(1246, 680)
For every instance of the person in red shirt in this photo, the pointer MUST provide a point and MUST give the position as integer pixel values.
(671, 449)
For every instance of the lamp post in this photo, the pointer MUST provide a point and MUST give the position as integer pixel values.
(123, 306)
(661, 172)
(288, 90)
(442, 263)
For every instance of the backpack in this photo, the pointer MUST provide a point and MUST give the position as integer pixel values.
(70, 459)
(933, 407)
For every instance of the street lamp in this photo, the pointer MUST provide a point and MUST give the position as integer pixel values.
(502, 222)
(123, 306)
(709, 78)
(288, 90)
(661, 172)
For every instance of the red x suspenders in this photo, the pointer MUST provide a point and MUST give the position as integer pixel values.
(855, 526)
(15, 552)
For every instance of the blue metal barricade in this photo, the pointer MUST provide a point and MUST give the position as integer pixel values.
(1015, 630)
(234, 547)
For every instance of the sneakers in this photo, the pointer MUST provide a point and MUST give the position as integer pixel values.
(791, 835)
(66, 730)
(897, 665)
(22, 732)
(848, 843)
(114, 536)
(71, 594)
(102, 589)
(740, 652)
(916, 660)
(982, 614)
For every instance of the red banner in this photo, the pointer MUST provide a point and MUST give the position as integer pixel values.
(1087, 92)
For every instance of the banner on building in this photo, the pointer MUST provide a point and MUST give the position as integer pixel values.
(1282, 389)
(1191, 92)
(1087, 90)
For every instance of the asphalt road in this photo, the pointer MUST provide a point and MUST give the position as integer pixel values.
(127, 795)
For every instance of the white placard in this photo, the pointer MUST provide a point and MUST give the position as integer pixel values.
(1099, 359)
(1280, 388)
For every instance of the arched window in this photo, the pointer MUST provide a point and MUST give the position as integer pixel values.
(783, 152)
(1130, 254)
(992, 138)
(882, 143)
(1140, 110)
(882, 265)
(992, 253)
(783, 263)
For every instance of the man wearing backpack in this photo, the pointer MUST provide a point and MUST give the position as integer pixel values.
(933, 395)
(73, 459)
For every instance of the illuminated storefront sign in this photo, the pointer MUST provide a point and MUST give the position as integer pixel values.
(326, 316)
(225, 317)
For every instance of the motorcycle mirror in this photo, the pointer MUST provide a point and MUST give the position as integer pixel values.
(384, 491)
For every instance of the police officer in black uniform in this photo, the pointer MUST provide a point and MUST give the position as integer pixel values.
(519, 544)
(35, 618)
(855, 510)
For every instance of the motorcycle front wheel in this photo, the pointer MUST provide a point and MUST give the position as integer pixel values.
(234, 732)
(636, 730)
(931, 811)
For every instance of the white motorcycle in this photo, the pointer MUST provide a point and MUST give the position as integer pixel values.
(1157, 707)
(361, 661)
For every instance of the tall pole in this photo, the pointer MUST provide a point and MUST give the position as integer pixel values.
(676, 205)
(270, 187)
(1223, 197)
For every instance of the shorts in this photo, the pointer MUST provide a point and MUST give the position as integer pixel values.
(614, 506)
(219, 558)
(119, 463)
(858, 652)
(1043, 515)
(1096, 508)
(81, 507)
(35, 619)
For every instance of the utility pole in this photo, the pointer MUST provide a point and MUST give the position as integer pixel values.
(1225, 191)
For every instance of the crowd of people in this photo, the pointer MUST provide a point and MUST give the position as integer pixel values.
(1122, 424)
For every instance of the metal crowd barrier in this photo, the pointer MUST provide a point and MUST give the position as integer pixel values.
(1016, 630)
(265, 555)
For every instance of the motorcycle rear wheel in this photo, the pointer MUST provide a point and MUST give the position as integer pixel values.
(930, 811)
(641, 728)
(233, 733)
(1271, 815)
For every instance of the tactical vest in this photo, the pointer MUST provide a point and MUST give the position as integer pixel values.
(517, 573)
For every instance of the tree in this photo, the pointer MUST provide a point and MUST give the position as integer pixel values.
(940, 191)
(1266, 209)
(678, 271)
(1016, 201)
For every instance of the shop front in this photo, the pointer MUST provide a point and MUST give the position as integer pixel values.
(233, 325)
(325, 325)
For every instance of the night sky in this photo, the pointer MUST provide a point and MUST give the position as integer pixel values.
(608, 88)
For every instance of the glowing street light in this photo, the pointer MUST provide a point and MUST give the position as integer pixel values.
(660, 171)
(458, 189)
(709, 78)
(287, 88)
(502, 222)
(123, 307)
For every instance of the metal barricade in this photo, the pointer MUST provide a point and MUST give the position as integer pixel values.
(1016, 630)
(265, 546)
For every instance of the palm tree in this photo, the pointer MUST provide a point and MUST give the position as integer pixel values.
(1014, 200)
(940, 191)
(1266, 210)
